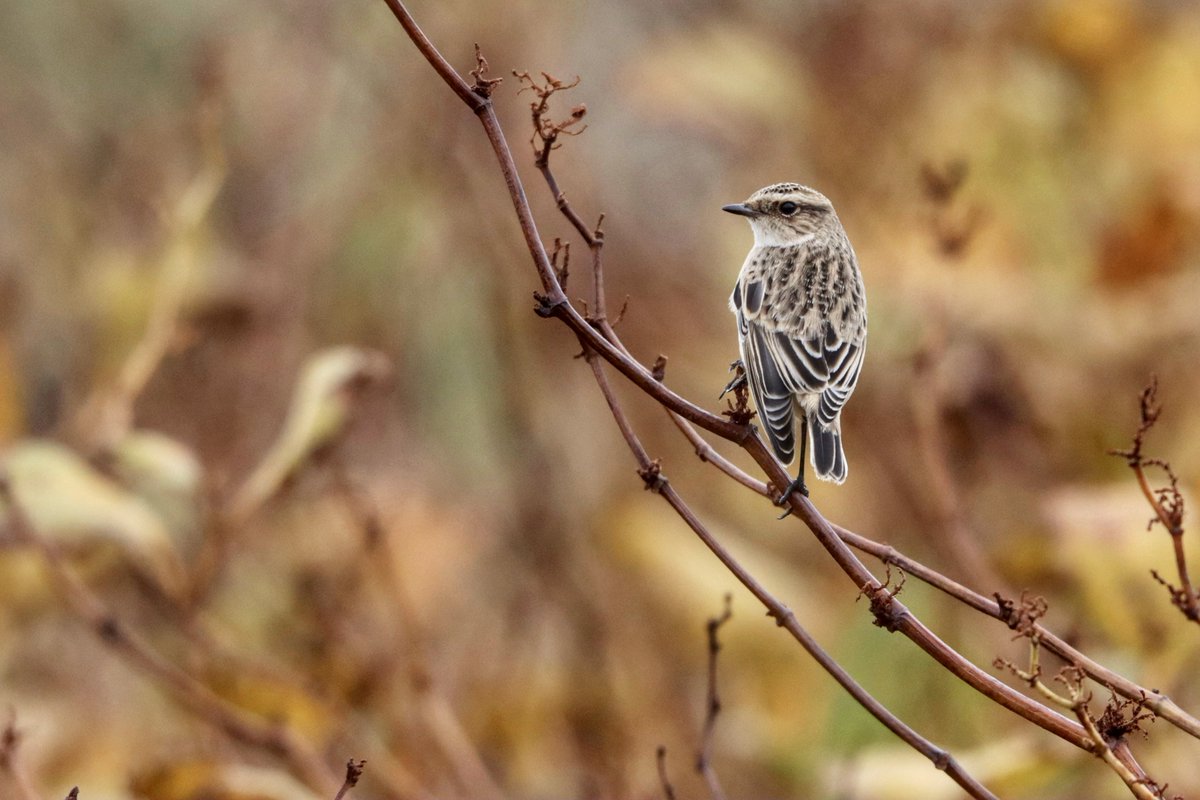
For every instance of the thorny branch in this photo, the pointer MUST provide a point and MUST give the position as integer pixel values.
(1167, 501)
(552, 302)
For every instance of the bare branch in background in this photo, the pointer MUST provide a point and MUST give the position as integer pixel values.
(108, 415)
(442, 722)
(660, 758)
(11, 762)
(712, 704)
(73, 794)
(1166, 501)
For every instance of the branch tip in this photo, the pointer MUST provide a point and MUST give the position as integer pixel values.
(483, 86)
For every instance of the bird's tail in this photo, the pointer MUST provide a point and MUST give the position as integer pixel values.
(828, 460)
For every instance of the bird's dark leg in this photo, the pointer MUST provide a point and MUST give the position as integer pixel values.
(798, 484)
(740, 380)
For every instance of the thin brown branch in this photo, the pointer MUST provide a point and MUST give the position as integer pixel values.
(354, 771)
(996, 608)
(238, 724)
(651, 472)
(712, 704)
(73, 794)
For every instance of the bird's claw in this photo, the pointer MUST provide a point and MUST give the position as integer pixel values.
(795, 486)
(734, 384)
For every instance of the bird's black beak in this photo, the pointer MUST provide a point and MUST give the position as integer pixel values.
(741, 209)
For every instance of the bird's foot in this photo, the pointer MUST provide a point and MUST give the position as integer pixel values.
(737, 382)
(795, 486)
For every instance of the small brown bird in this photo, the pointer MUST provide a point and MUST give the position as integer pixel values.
(802, 323)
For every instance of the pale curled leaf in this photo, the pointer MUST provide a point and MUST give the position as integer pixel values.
(322, 405)
(72, 504)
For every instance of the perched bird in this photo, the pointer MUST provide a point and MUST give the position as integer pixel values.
(802, 323)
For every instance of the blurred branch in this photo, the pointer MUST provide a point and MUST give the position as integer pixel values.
(930, 443)
(274, 738)
(108, 416)
(660, 758)
(12, 763)
(354, 770)
(73, 794)
(323, 402)
(436, 712)
(889, 613)
(712, 704)
(1166, 502)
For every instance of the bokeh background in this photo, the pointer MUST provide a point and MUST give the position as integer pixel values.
(468, 586)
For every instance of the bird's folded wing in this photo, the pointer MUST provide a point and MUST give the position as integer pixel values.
(823, 364)
(771, 394)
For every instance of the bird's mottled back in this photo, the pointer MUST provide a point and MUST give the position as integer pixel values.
(802, 319)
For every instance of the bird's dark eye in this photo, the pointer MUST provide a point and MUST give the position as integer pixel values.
(788, 208)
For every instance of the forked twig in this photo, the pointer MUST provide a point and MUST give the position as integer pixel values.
(1166, 502)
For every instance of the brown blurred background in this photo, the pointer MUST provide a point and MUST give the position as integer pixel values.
(283, 177)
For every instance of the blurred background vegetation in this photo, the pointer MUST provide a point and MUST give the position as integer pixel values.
(470, 589)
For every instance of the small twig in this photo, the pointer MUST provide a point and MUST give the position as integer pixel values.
(1167, 502)
(545, 130)
(354, 771)
(73, 794)
(564, 272)
(483, 85)
(712, 705)
(663, 779)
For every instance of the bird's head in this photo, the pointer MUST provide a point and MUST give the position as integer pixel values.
(785, 214)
